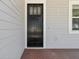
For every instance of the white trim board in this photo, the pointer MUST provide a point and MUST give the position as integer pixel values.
(70, 17)
(44, 20)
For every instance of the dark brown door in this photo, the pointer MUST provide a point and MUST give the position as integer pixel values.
(35, 25)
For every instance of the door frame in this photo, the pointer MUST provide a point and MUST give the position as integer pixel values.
(44, 22)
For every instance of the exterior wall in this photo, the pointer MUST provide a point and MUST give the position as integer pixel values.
(11, 29)
(57, 26)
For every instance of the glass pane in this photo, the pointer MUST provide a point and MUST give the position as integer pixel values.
(75, 10)
(31, 10)
(35, 11)
(75, 24)
(39, 10)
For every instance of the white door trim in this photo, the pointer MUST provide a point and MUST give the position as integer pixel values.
(44, 20)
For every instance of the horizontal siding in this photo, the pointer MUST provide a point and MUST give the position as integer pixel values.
(11, 29)
(57, 22)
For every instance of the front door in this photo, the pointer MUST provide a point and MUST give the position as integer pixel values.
(34, 25)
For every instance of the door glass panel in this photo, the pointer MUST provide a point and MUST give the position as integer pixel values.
(31, 10)
(39, 10)
(35, 10)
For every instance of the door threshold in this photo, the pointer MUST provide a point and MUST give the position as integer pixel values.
(34, 48)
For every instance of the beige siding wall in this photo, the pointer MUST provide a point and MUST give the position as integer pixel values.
(57, 26)
(11, 29)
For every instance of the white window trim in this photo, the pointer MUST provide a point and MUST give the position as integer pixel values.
(44, 22)
(70, 17)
